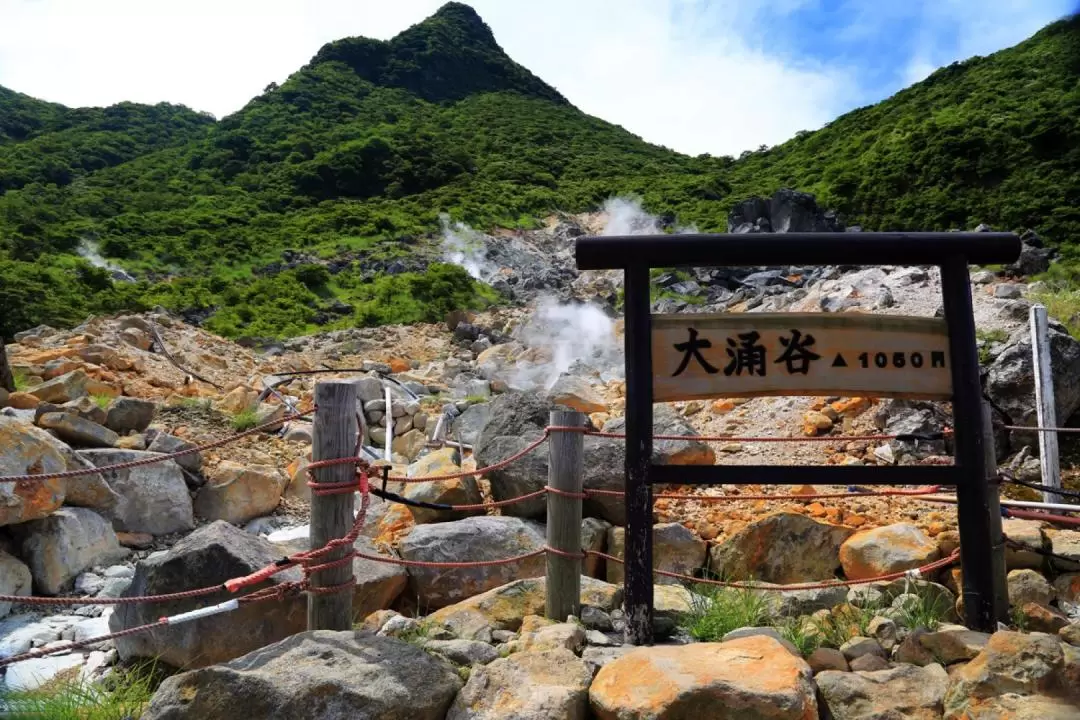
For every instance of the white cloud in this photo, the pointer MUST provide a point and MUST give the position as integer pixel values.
(695, 75)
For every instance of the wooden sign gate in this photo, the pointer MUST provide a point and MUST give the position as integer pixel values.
(685, 356)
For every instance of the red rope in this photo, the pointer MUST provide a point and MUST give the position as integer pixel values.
(150, 460)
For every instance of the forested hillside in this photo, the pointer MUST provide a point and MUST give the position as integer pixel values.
(351, 160)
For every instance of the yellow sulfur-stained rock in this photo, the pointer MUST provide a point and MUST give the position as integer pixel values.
(750, 677)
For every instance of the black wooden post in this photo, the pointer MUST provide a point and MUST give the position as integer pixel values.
(973, 489)
(638, 598)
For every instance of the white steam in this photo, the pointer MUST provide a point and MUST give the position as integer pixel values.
(464, 246)
(566, 335)
(625, 217)
(88, 250)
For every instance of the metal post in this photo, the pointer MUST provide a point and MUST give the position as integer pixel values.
(1049, 459)
(993, 500)
(974, 507)
(638, 598)
(334, 436)
(565, 472)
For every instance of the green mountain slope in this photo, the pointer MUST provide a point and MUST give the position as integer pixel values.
(354, 157)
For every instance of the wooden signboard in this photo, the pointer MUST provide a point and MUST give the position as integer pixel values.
(755, 354)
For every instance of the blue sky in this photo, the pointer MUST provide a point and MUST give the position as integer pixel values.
(717, 76)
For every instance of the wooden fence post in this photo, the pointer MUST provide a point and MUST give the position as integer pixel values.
(7, 378)
(1049, 460)
(566, 472)
(334, 436)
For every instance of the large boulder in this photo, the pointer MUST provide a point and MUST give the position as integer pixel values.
(782, 548)
(470, 423)
(129, 415)
(461, 491)
(671, 452)
(1065, 544)
(530, 685)
(675, 549)
(1017, 675)
(576, 393)
(319, 675)
(751, 677)
(15, 579)
(59, 547)
(168, 444)
(470, 540)
(1011, 377)
(1029, 534)
(505, 607)
(208, 557)
(378, 584)
(884, 550)
(69, 386)
(905, 691)
(526, 475)
(1028, 586)
(78, 431)
(28, 450)
(237, 493)
(152, 498)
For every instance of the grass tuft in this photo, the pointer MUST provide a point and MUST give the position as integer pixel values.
(714, 612)
(245, 420)
(102, 401)
(121, 696)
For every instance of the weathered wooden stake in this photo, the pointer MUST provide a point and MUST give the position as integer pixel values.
(1049, 459)
(638, 597)
(7, 378)
(387, 452)
(334, 436)
(993, 504)
(566, 472)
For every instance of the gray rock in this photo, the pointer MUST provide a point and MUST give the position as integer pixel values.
(469, 424)
(548, 685)
(1007, 291)
(526, 475)
(593, 538)
(167, 444)
(378, 584)
(766, 631)
(78, 431)
(671, 452)
(153, 498)
(675, 549)
(953, 643)
(983, 277)
(905, 691)
(1011, 377)
(1033, 260)
(322, 675)
(86, 408)
(1026, 586)
(14, 579)
(34, 673)
(59, 547)
(130, 415)
(471, 539)
(463, 652)
(859, 646)
(368, 389)
(209, 556)
(595, 618)
(68, 386)
(597, 657)
(1027, 533)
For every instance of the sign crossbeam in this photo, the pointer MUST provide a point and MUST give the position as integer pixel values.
(681, 357)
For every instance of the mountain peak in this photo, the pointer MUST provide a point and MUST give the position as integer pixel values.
(447, 57)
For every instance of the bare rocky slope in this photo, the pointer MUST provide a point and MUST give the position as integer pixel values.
(116, 389)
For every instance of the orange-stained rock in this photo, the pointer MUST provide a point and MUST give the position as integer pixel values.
(239, 399)
(399, 365)
(96, 387)
(44, 356)
(721, 407)
(22, 401)
(884, 550)
(781, 548)
(27, 450)
(751, 677)
(578, 394)
(851, 406)
(60, 368)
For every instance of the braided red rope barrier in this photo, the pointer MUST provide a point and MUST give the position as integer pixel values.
(151, 460)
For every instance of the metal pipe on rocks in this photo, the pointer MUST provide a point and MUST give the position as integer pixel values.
(1010, 503)
(389, 425)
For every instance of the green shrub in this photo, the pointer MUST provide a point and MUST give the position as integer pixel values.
(102, 401)
(715, 611)
(245, 420)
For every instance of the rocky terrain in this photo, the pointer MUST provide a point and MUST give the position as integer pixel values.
(469, 393)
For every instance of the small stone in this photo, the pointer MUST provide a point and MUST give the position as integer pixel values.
(827, 659)
(1070, 634)
(884, 631)
(130, 415)
(1028, 586)
(595, 618)
(135, 540)
(858, 646)
(817, 422)
(76, 430)
(1041, 618)
(869, 663)
(1007, 291)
